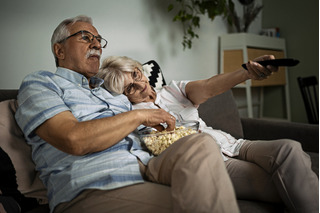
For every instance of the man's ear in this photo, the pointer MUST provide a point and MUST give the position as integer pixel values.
(59, 51)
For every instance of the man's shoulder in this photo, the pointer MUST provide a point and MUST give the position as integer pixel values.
(40, 74)
(37, 81)
(37, 76)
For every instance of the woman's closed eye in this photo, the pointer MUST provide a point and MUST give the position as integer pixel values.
(137, 75)
(132, 87)
(129, 89)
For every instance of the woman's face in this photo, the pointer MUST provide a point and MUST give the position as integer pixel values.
(137, 87)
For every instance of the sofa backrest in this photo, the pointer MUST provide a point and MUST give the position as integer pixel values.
(221, 112)
(8, 94)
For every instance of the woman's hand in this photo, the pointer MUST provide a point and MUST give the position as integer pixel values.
(155, 117)
(258, 72)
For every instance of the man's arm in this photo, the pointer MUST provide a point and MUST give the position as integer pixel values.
(201, 90)
(67, 134)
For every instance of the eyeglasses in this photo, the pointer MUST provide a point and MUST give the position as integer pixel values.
(88, 37)
(132, 87)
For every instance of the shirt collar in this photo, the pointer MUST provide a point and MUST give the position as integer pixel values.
(78, 78)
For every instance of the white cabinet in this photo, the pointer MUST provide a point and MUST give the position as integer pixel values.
(238, 48)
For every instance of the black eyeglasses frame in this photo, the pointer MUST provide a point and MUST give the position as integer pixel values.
(99, 38)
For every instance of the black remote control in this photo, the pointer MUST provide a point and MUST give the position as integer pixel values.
(277, 62)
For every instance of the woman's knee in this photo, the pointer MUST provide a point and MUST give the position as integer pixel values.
(289, 145)
(267, 153)
(291, 151)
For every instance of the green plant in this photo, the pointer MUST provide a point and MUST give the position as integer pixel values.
(190, 11)
(250, 12)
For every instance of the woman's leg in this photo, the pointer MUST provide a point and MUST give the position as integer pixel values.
(290, 170)
(195, 170)
(251, 182)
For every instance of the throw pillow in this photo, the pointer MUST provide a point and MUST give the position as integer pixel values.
(14, 145)
(151, 69)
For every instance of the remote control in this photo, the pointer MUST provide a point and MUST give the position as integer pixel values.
(277, 62)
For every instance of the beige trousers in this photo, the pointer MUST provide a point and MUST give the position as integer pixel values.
(275, 171)
(199, 180)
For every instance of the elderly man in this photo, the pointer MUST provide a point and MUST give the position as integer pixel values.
(83, 145)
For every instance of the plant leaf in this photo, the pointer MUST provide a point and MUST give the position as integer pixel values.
(170, 7)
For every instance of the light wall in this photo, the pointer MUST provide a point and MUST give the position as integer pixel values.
(141, 29)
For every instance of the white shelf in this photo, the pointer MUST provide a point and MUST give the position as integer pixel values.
(241, 44)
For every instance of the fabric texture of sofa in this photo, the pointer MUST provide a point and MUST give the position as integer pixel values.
(22, 191)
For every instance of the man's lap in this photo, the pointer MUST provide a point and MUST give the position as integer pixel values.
(145, 197)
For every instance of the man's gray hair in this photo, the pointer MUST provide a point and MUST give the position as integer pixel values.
(62, 31)
(113, 72)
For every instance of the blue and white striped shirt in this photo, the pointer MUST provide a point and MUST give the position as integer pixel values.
(43, 95)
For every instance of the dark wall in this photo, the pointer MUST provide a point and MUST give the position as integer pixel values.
(299, 25)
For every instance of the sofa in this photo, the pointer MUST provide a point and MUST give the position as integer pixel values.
(22, 191)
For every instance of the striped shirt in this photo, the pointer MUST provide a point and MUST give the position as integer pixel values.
(43, 95)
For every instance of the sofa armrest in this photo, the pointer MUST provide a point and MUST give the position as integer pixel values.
(306, 134)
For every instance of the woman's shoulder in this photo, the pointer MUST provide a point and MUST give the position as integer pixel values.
(177, 86)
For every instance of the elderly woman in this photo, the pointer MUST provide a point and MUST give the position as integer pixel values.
(270, 171)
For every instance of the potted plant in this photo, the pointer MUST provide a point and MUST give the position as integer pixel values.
(188, 12)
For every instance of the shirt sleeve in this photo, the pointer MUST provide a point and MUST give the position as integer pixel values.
(178, 89)
(179, 86)
(39, 99)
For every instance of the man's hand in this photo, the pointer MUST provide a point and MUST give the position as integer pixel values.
(258, 72)
(155, 117)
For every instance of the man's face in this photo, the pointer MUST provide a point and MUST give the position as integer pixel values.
(75, 51)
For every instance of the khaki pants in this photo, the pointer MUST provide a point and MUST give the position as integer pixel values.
(199, 180)
(275, 171)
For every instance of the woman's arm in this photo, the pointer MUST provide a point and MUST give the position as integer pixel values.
(201, 90)
(67, 134)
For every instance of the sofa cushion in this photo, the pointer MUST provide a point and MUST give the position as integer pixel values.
(221, 112)
(19, 152)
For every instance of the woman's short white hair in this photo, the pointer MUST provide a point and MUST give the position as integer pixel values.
(62, 31)
(113, 71)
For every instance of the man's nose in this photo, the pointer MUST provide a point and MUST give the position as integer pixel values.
(95, 44)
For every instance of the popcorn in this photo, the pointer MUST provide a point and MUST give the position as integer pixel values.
(157, 142)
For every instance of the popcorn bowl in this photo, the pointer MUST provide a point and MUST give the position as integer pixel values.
(157, 142)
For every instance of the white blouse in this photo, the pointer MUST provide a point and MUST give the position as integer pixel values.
(172, 98)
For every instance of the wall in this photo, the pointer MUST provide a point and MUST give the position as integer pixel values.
(299, 25)
(141, 29)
